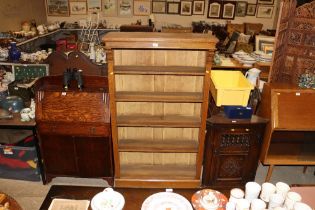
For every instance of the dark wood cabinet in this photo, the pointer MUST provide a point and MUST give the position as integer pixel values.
(74, 129)
(232, 150)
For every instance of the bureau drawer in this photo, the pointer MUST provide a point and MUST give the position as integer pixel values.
(74, 130)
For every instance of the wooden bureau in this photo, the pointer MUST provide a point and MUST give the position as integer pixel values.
(73, 127)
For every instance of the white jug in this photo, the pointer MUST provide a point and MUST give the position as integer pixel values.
(252, 75)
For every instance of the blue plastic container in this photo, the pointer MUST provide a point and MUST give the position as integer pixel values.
(238, 112)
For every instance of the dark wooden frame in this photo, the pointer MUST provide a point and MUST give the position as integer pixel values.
(223, 5)
(259, 6)
(203, 10)
(181, 6)
(249, 5)
(161, 2)
(238, 3)
(61, 15)
(168, 6)
(209, 5)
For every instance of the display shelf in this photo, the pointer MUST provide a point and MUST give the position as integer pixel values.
(136, 145)
(159, 86)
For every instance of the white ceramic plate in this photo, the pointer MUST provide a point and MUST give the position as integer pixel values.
(166, 200)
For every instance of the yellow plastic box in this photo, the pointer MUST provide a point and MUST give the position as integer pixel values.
(230, 88)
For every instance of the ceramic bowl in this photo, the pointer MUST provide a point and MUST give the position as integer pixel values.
(12, 103)
(108, 200)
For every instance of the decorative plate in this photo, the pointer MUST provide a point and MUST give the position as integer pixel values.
(166, 201)
(207, 199)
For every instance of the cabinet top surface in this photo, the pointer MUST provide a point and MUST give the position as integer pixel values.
(142, 37)
(221, 119)
(288, 87)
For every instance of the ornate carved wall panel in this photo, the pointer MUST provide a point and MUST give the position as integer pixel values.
(295, 42)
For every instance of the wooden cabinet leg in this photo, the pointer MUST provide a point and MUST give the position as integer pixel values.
(270, 169)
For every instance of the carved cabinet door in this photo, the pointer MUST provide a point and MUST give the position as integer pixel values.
(231, 155)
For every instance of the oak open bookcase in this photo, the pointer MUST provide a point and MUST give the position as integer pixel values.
(159, 89)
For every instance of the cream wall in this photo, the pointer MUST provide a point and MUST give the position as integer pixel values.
(164, 19)
(13, 12)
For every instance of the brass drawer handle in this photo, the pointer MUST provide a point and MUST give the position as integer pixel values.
(232, 129)
(247, 129)
(92, 130)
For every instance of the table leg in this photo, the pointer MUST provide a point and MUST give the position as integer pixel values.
(270, 169)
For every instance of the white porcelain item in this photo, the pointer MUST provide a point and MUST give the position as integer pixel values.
(301, 206)
(252, 75)
(230, 206)
(242, 204)
(267, 189)
(108, 200)
(275, 200)
(291, 199)
(282, 188)
(252, 190)
(258, 204)
(236, 194)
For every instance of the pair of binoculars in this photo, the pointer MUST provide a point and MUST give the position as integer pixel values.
(72, 74)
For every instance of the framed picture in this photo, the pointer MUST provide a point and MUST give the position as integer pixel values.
(142, 7)
(228, 11)
(186, 7)
(264, 11)
(125, 8)
(94, 5)
(251, 9)
(214, 9)
(241, 8)
(198, 7)
(159, 7)
(173, 7)
(109, 7)
(265, 2)
(264, 43)
(58, 8)
(78, 7)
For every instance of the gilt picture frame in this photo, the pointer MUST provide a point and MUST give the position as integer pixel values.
(251, 10)
(78, 8)
(264, 11)
(173, 7)
(159, 7)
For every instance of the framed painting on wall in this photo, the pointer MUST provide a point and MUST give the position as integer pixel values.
(186, 7)
(159, 7)
(264, 11)
(198, 7)
(142, 7)
(78, 7)
(264, 43)
(109, 7)
(251, 9)
(214, 9)
(94, 5)
(241, 7)
(125, 8)
(265, 1)
(173, 7)
(228, 11)
(58, 8)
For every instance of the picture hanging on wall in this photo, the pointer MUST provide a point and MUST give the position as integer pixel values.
(58, 8)
(251, 9)
(264, 11)
(265, 1)
(173, 7)
(228, 10)
(125, 8)
(94, 5)
(159, 7)
(186, 7)
(142, 7)
(109, 7)
(214, 9)
(78, 7)
(198, 7)
(241, 7)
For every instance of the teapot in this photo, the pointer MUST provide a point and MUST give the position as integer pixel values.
(252, 75)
